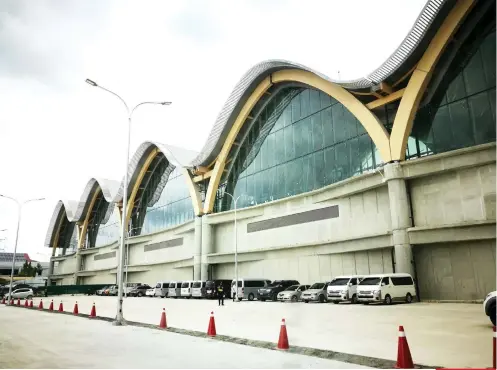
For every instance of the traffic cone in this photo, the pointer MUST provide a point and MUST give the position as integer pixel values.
(50, 308)
(163, 323)
(93, 312)
(494, 344)
(283, 339)
(18, 301)
(12, 301)
(75, 311)
(61, 307)
(404, 359)
(211, 330)
(31, 304)
(3, 300)
(40, 306)
(26, 304)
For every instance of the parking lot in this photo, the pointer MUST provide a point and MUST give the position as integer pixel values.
(449, 335)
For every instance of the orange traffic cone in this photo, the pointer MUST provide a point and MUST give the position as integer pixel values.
(61, 307)
(11, 301)
(211, 330)
(283, 339)
(93, 312)
(404, 359)
(50, 308)
(26, 304)
(163, 323)
(18, 301)
(75, 311)
(494, 344)
(40, 306)
(31, 304)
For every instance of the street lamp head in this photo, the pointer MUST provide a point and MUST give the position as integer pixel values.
(165, 103)
(90, 82)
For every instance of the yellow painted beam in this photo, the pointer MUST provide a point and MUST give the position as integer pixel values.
(84, 226)
(373, 126)
(194, 191)
(202, 177)
(421, 77)
(396, 95)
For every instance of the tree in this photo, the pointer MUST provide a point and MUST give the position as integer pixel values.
(39, 269)
(24, 269)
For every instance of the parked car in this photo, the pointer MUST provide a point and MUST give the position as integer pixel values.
(198, 289)
(139, 291)
(386, 288)
(247, 288)
(112, 290)
(101, 291)
(272, 290)
(175, 289)
(23, 293)
(130, 286)
(162, 289)
(316, 293)
(343, 289)
(292, 293)
(211, 288)
(150, 292)
(489, 306)
(186, 289)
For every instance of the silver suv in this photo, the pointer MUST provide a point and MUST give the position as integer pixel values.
(23, 293)
(316, 293)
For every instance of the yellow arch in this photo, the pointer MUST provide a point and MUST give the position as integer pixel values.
(373, 126)
(421, 77)
(84, 226)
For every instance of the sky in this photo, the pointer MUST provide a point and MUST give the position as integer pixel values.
(57, 132)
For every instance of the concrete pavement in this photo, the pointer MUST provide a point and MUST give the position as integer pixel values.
(33, 339)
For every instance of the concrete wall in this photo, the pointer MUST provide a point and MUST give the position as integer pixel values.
(162, 272)
(96, 262)
(100, 278)
(65, 266)
(457, 196)
(456, 271)
(311, 268)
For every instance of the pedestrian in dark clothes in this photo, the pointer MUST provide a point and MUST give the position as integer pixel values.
(220, 295)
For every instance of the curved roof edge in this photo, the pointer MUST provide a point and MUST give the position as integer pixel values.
(69, 207)
(257, 73)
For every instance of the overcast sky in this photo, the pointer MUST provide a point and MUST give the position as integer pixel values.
(56, 132)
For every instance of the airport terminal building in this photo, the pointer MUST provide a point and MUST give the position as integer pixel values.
(393, 172)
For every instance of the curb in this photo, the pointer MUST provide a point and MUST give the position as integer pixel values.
(374, 362)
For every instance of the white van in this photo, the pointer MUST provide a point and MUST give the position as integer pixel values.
(175, 289)
(162, 289)
(186, 289)
(198, 289)
(386, 288)
(343, 288)
(247, 288)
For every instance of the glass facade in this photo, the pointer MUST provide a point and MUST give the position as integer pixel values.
(109, 232)
(461, 112)
(300, 140)
(174, 206)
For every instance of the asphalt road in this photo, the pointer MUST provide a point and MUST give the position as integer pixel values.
(34, 339)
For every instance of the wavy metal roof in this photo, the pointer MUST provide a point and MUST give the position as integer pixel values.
(257, 73)
(64, 208)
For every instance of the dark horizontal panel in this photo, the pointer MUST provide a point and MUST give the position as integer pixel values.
(104, 256)
(165, 244)
(295, 219)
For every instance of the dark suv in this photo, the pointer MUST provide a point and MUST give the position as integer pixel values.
(272, 290)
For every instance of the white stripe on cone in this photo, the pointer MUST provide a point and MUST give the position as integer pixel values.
(402, 334)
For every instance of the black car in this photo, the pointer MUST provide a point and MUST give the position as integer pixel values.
(139, 291)
(272, 290)
(211, 288)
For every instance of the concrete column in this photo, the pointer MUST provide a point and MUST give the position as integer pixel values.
(207, 248)
(78, 266)
(50, 272)
(197, 250)
(400, 212)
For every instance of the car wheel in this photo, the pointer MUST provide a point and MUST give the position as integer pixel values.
(335, 302)
(388, 299)
(189, 297)
(306, 301)
(492, 314)
(408, 298)
(321, 298)
(140, 294)
(162, 296)
(263, 300)
(294, 298)
(240, 299)
(354, 299)
(251, 297)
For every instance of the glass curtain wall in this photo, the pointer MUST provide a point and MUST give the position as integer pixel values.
(174, 206)
(302, 140)
(109, 232)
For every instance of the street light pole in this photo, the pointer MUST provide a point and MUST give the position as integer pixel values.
(19, 210)
(127, 260)
(119, 316)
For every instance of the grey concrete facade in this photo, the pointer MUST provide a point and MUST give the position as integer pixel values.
(432, 217)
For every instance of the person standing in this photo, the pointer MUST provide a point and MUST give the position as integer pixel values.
(220, 295)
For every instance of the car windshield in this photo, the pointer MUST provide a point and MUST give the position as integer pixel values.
(340, 281)
(185, 285)
(239, 283)
(172, 285)
(371, 281)
(275, 283)
(317, 286)
(158, 285)
(292, 288)
(210, 284)
(197, 284)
